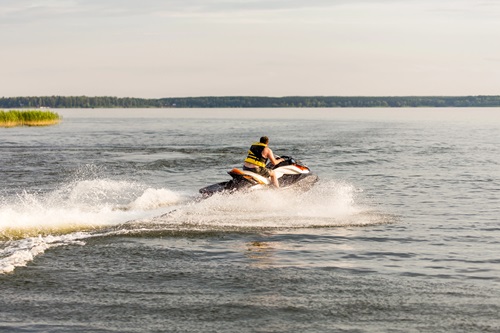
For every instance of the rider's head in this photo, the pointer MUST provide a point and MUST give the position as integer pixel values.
(264, 140)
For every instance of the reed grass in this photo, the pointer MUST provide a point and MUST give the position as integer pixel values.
(28, 118)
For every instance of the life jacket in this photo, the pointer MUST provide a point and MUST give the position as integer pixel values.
(255, 155)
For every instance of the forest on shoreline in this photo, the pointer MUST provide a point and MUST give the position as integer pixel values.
(248, 102)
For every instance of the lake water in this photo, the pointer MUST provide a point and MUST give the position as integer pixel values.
(102, 228)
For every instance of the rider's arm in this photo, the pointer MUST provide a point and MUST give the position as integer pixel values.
(268, 153)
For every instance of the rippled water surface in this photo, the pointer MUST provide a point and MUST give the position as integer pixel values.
(102, 228)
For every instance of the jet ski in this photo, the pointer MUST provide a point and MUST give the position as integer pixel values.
(290, 172)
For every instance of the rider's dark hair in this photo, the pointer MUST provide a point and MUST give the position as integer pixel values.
(264, 140)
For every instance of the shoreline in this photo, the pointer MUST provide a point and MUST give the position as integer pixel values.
(100, 102)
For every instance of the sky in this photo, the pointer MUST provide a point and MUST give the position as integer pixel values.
(181, 48)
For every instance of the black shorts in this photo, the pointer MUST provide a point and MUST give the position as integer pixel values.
(258, 170)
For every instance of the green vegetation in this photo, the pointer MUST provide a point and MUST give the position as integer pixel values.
(28, 118)
(249, 102)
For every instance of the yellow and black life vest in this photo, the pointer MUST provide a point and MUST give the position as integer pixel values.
(255, 155)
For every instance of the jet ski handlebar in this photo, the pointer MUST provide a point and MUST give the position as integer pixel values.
(287, 160)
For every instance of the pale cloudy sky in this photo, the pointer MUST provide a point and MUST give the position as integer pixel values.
(173, 48)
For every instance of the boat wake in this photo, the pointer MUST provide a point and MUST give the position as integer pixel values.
(31, 223)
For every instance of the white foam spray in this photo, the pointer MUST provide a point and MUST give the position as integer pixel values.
(20, 252)
(325, 205)
(30, 223)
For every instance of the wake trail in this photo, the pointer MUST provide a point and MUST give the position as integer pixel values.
(34, 223)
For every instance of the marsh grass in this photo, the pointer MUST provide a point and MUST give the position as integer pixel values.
(28, 118)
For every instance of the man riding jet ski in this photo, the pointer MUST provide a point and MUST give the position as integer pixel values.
(279, 172)
(258, 154)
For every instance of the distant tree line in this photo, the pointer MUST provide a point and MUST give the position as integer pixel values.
(248, 102)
